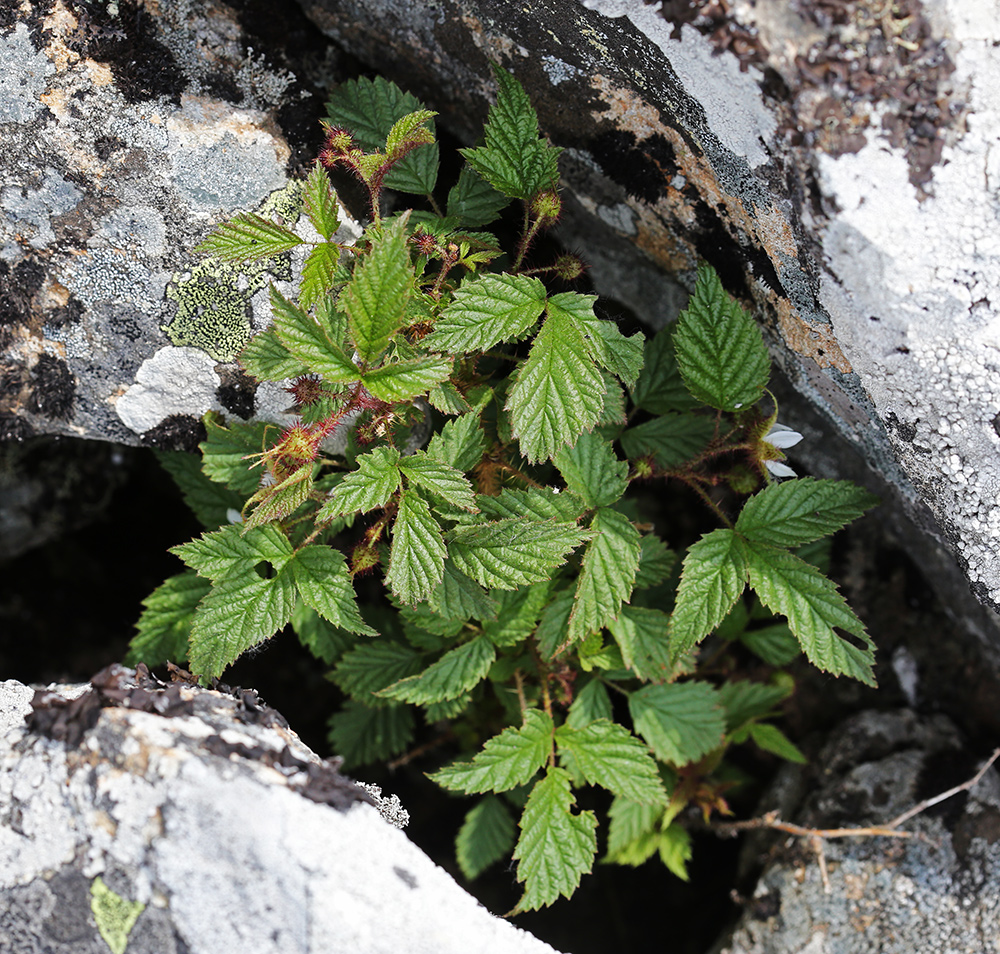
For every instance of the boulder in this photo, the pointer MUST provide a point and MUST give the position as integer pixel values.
(165, 818)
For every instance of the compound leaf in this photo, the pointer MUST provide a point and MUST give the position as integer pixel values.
(164, 627)
(405, 380)
(320, 202)
(486, 836)
(228, 552)
(267, 359)
(417, 555)
(454, 674)
(302, 335)
(323, 580)
(607, 754)
(440, 479)
(458, 597)
(681, 721)
(368, 487)
(460, 443)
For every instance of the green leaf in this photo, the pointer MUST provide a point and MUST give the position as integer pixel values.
(368, 487)
(514, 160)
(592, 471)
(361, 735)
(165, 624)
(485, 310)
(506, 761)
(373, 666)
(240, 612)
(607, 574)
(324, 640)
(320, 202)
(517, 613)
(744, 700)
(416, 559)
(592, 702)
(796, 512)
(280, 500)
(632, 832)
(405, 380)
(454, 674)
(458, 597)
(539, 503)
(229, 552)
(302, 335)
(674, 846)
(559, 392)
(553, 627)
(320, 274)
(605, 342)
(486, 836)
(720, 350)
(681, 721)
(641, 635)
(474, 201)
(797, 590)
(210, 502)
(225, 450)
(672, 439)
(774, 644)
(505, 554)
(409, 131)
(440, 479)
(369, 109)
(460, 443)
(248, 237)
(607, 754)
(660, 388)
(656, 561)
(771, 739)
(714, 575)
(267, 359)
(323, 580)
(376, 297)
(555, 847)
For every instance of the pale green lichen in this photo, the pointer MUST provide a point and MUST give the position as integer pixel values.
(114, 915)
(214, 310)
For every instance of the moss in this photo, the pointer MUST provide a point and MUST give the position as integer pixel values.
(53, 388)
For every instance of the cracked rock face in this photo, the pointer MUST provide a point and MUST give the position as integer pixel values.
(180, 820)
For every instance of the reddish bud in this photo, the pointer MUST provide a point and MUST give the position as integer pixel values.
(568, 267)
(306, 390)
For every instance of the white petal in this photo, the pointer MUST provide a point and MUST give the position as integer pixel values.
(779, 469)
(782, 437)
(234, 516)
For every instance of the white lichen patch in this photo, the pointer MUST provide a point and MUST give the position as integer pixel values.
(31, 208)
(25, 73)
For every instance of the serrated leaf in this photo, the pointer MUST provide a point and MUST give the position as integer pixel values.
(409, 131)
(320, 202)
(165, 624)
(486, 836)
(632, 832)
(376, 297)
(606, 344)
(248, 237)
(506, 761)
(771, 739)
(229, 552)
(369, 109)
(302, 335)
(592, 702)
(224, 451)
(592, 471)
(775, 644)
(641, 635)
(240, 612)
(559, 392)
(324, 640)
(720, 350)
(538, 503)
(681, 721)
(454, 674)
(267, 359)
(323, 580)
(373, 666)
(319, 274)
(656, 562)
(672, 439)
(505, 554)
(279, 500)
(473, 201)
(440, 479)
(796, 512)
(607, 754)
(210, 502)
(370, 486)
(486, 310)
(674, 846)
(798, 591)
(517, 613)
(405, 380)
(514, 160)
(607, 573)
(660, 387)
(460, 443)
(417, 555)
(458, 597)
(555, 847)
(713, 577)
(553, 628)
(361, 735)
(744, 700)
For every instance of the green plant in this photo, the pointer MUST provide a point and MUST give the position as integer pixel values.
(496, 431)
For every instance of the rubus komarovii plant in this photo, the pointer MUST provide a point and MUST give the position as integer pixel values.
(491, 430)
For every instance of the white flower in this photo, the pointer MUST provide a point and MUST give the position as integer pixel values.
(234, 516)
(781, 437)
(778, 469)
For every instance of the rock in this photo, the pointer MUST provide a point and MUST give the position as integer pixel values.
(168, 818)
(933, 892)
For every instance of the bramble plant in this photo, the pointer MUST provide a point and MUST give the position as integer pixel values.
(493, 431)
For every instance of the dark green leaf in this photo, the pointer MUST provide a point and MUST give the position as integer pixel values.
(458, 597)
(368, 487)
(248, 237)
(592, 471)
(460, 443)
(306, 340)
(267, 359)
(771, 739)
(486, 836)
(660, 387)
(656, 561)
(165, 624)
(229, 553)
(324, 640)
(454, 674)
(744, 700)
(607, 754)
(225, 449)
(416, 560)
(324, 582)
(641, 635)
(774, 644)
(474, 202)
(672, 439)
(405, 380)
(592, 702)
(633, 831)
(373, 666)
(320, 202)
(361, 735)
(517, 614)
(212, 503)
(681, 721)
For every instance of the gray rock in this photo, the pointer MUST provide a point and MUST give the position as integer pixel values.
(205, 814)
(934, 892)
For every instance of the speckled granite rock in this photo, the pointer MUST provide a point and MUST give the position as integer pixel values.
(935, 893)
(177, 820)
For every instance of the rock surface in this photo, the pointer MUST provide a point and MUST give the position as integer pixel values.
(934, 892)
(168, 819)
